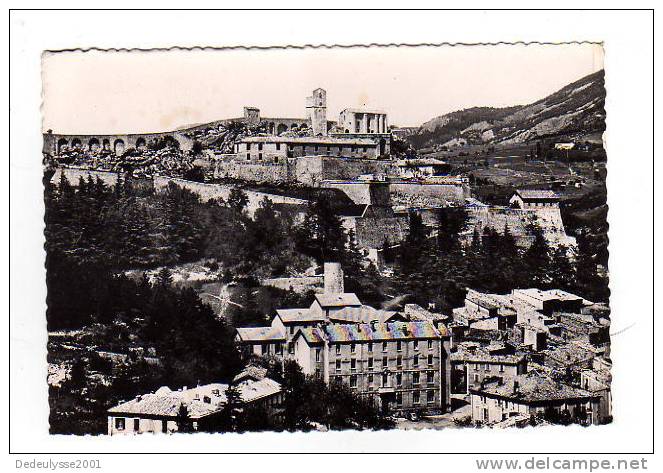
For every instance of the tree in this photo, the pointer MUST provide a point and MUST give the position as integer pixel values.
(321, 233)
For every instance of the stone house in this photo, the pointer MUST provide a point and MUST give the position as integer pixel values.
(166, 411)
(534, 395)
(529, 198)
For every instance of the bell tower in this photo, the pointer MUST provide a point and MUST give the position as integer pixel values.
(316, 111)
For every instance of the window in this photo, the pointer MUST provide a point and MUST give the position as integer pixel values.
(353, 364)
(476, 367)
(278, 146)
(385, 362)
(136, 425)
(317, 354)
(119, 423)
(276, 160)
(399, 399)
(430, 376)
(385, 379)
(399, 361)
(317, 373)
(353, 348)
(338, 348)
(259, 146)
(248, 156)
(260, 156)
(415, 378)
(278, 348)
(415, 361)
(370, 347)
(292, 330)
(248, 146)
(291, 348)
(370, 379)
(430, 344)
(370, 363)
(338, 365)
(430, 396)
(399, 346)
(384, 346)
(430, 360)
(476, 378)
(353, 381)
(264, 349)
(501, 368)
(415, 397)
(164, 426)
(315, 148)
(416, 344)
(487, 367)
(399, 379)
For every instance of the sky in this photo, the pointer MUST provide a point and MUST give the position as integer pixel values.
(139, 92)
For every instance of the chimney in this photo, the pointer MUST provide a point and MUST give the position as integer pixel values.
(333, 278)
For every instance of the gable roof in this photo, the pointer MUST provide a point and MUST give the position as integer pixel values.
(312, 335)
(298, 315)
(383, 331)
(534, 388)
(338, 300)
(537, 195)
(260, 334)
(363, 314)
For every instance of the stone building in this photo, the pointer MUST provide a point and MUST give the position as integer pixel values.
(355, 120)
(166, 411)
(316, 112)
(534, 395)
(528, 199)
(268, 149)
(400, 364)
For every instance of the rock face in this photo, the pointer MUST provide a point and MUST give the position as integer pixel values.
(576, 110)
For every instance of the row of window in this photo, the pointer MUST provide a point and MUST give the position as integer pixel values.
(385, 361)
(385, 346)
(416, 397)
(386, 377)
(477, 367)
(352, 148)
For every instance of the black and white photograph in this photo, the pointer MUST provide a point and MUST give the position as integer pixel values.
(338, 246)
(314, 253)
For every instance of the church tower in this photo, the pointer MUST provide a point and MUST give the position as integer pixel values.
(316, 111)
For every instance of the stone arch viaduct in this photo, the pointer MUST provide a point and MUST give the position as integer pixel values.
(55, 144)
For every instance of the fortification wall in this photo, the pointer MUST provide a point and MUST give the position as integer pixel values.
(215, 191)
(273, 173)
(423, 194)
(372, 232)
(74, 174)
(519, 222)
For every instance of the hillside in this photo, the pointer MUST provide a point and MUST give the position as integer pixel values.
(574, 112)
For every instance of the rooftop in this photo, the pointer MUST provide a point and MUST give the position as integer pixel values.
(344, 299)
(481, 355)
(323, 140)
(534, 194)
(298, 315)
(260, 334)
(363, 314)
(363, 110)
(532, 388)
(383, 331)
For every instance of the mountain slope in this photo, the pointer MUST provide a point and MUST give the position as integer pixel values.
(573, 112)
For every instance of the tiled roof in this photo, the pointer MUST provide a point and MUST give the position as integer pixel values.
(167, 403)
(259, 334)
(383, 332)
(480, 355)
(338, 300)
(535, 387)
(363, 314)
(533, 194)
(298, 315)
(312, 335)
